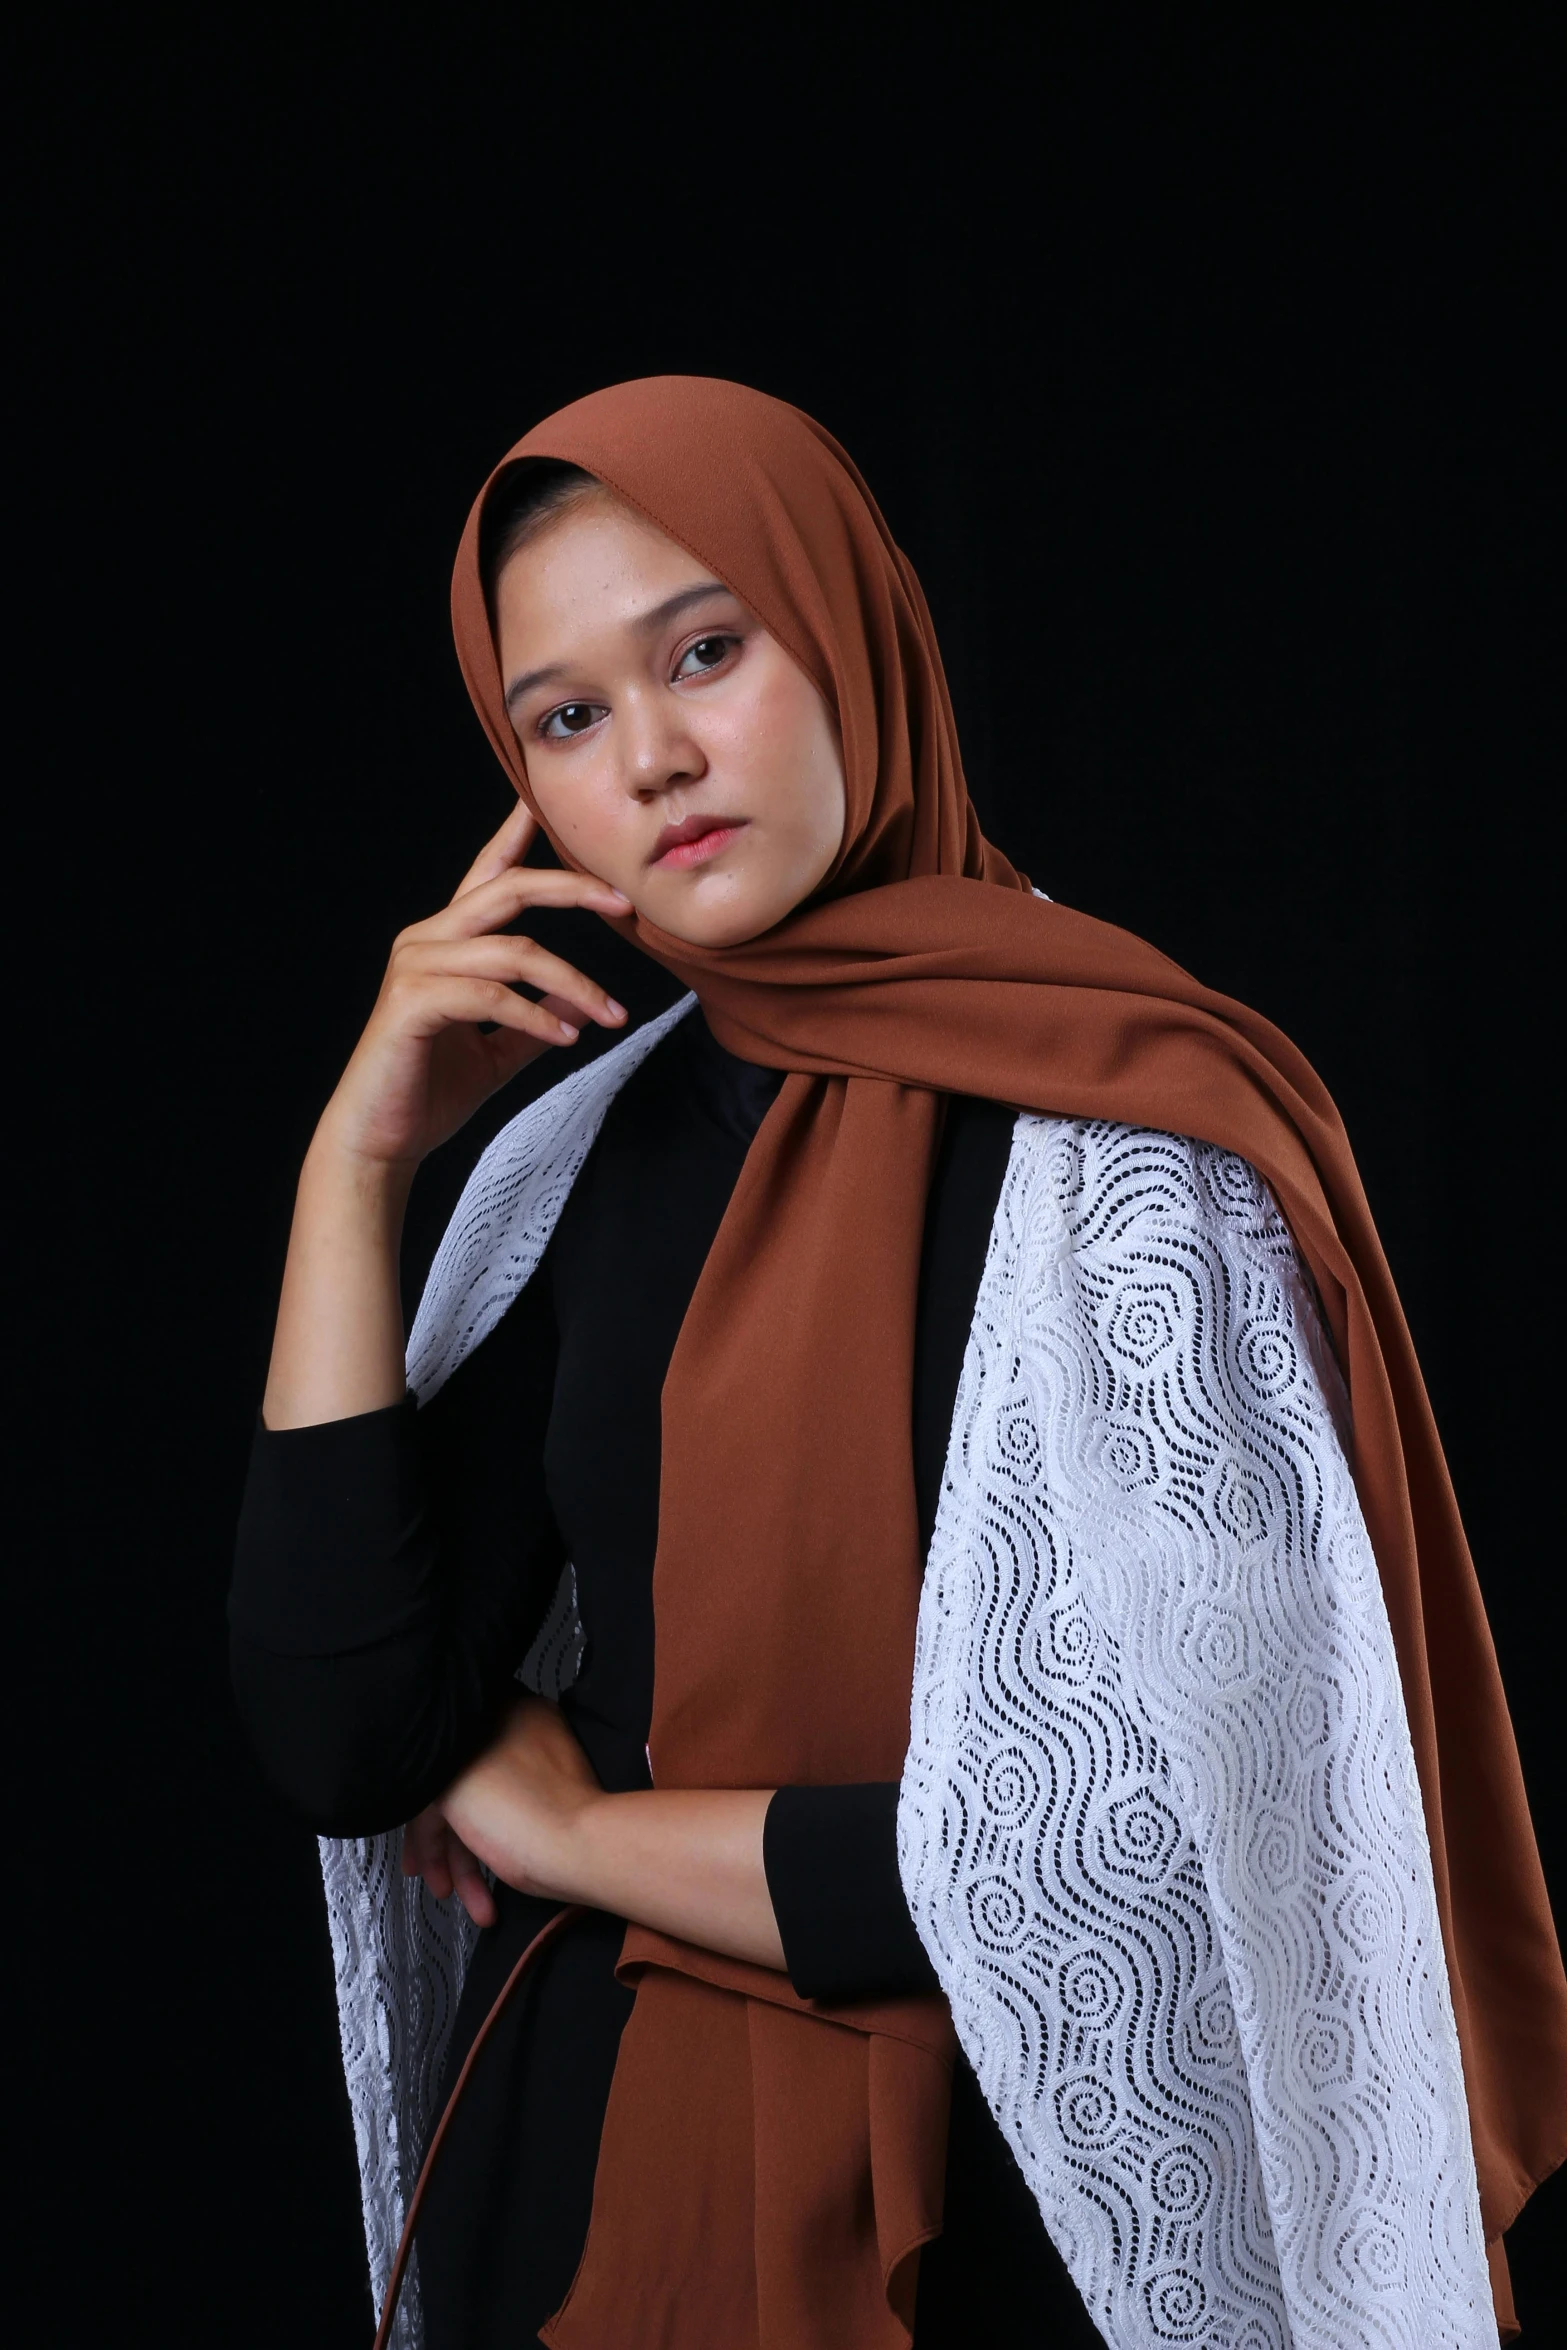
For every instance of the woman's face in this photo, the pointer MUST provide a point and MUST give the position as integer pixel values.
(671, 743)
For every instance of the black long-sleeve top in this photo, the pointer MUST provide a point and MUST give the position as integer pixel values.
(392, 1570)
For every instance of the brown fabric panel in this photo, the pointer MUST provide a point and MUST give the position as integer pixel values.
(838, 1334)
(785, 1619)
(820, 2225)
(673, 2215)
(909, 2196)
(782, 2207)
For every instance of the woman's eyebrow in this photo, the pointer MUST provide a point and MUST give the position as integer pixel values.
(649, 623)
(646, 624)
(530, 678)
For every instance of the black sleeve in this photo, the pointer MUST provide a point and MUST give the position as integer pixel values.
(389, 1574)
(831, 1856)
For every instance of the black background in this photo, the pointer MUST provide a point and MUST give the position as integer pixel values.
(1208, 366)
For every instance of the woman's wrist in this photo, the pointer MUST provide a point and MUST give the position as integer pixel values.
(337, 1162)
(596, 1861)
(545, 1849)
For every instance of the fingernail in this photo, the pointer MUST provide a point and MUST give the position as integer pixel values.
(568, 1032)
(615, 1011)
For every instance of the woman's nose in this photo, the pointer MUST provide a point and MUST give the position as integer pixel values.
(659, 749)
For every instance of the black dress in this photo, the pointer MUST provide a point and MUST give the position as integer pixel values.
(391, 1570)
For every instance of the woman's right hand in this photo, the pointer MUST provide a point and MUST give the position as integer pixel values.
(424, 1065)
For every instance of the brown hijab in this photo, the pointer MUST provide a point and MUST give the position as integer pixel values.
(768, 2171)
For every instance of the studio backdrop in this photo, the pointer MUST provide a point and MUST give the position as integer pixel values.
(1209, 375)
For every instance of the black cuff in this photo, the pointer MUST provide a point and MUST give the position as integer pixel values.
(334, 1550)
(831, 1856)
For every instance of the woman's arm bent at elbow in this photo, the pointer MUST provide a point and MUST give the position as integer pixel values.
(686, 1861)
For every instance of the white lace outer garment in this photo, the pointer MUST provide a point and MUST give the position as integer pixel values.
(1159, 1830)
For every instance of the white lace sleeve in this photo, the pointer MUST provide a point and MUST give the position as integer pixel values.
(1160, 1826)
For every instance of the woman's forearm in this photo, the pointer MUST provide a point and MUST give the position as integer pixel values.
(339, 1344)
(686, 1861)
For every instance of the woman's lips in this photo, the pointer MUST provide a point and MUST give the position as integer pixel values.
(696, 840)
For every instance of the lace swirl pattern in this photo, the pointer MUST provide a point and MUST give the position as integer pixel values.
(1160, 1827)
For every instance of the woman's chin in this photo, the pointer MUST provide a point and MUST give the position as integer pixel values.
(715, 920)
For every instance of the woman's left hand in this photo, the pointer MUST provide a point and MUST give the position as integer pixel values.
(431, 1850)
(520, 1806)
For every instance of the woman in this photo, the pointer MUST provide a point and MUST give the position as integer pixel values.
(955, 1299)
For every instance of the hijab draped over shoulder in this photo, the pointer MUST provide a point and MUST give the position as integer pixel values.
(773, 2164)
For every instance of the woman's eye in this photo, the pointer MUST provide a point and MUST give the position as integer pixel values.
(571, 718)
(706, 653)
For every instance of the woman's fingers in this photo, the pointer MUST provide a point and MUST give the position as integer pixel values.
(515, 959)
(504, 848)
(468, 1881)
(491, 904)
(405, 1089)
(447, 999)
(433, 1850)
(466, 943)
(426, 1841)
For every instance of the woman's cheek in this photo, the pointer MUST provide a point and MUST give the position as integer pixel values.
(588, 829)
(755, 747)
